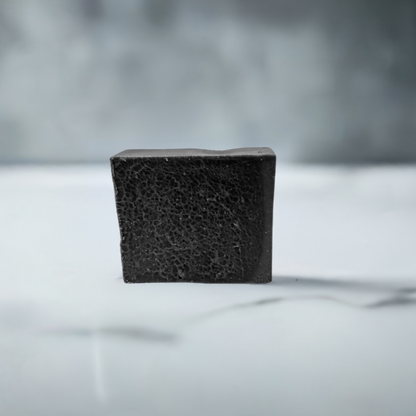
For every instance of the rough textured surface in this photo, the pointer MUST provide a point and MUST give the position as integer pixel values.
(195, 215)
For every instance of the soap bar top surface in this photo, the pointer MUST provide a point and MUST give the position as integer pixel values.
(195, 215)
(243, 151)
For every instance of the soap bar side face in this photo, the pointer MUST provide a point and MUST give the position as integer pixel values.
(196, 218)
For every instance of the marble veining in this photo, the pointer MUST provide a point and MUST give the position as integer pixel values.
(332, 334)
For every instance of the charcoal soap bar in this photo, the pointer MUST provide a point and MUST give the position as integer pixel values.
(195, 215)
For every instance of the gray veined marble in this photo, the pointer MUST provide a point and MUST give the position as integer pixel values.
(332, 334)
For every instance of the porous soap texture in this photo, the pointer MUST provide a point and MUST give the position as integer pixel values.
(195, 215)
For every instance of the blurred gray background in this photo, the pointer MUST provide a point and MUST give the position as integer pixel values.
(330, 81)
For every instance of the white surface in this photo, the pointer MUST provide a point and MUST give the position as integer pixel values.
(333, 335)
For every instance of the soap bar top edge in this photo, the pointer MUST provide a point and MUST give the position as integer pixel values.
(165, 153)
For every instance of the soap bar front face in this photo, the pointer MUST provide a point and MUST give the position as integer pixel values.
(195, 215)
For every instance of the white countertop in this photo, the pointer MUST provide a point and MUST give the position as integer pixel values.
(333, 334)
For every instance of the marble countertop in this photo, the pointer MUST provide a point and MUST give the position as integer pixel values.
(333, 334)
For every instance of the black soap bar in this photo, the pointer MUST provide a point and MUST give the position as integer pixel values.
(195, 215)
